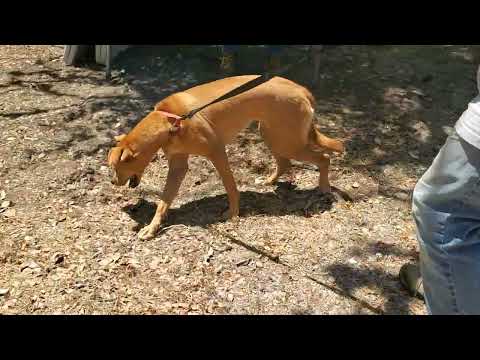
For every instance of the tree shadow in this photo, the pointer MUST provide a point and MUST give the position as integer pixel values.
(349, 278)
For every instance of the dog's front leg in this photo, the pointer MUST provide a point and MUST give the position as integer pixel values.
(177, 169)
(220, 161)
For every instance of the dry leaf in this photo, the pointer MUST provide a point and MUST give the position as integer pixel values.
(30, 265)
(4, 291)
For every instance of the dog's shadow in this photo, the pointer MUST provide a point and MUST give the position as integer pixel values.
(286, 199)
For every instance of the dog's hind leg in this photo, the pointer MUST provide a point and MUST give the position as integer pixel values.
(177, 169)
(283, 165)
(322, 161)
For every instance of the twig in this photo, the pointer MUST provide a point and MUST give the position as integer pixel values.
(169, 227)
(276, 259)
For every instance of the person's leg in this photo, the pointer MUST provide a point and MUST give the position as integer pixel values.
(446, 209)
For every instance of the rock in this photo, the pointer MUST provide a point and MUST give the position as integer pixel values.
(3, 194)
(355, 185)
(5, 204)
(230, 297)
(42, 155)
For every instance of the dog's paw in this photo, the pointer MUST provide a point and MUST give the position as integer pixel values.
(228, 215)
(147, 233)
(326, 189)
(270, 181)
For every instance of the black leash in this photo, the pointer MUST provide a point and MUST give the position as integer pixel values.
(244, 88)
(237, 91)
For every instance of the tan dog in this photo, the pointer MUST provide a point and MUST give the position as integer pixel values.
(283, 109)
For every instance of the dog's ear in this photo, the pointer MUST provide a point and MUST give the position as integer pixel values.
(127, 155)
(114, 156)
(120, 137)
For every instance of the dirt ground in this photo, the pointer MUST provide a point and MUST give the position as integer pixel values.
(68, 240)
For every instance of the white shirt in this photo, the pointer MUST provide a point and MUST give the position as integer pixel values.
(468, 126)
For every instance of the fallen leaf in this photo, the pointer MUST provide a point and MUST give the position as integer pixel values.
(111, 259)
(208, 256)
(105, 261)
(353, 261)
(414, 155)
(3, 194)
(154, 263)
(355, 185)
(5, 204)
(58, 259)
(259, 181)
(243, 262)
(4, 291)
(29, 265)
(10, 213)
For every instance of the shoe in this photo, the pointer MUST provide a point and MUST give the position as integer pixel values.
(411, 279)
(227, 64)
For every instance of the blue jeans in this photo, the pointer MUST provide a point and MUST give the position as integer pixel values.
(231, 49)
(446, 209)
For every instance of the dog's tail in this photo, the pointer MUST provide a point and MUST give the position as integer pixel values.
(324, 143)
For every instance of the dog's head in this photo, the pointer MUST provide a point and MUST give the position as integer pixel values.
(126, 165)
